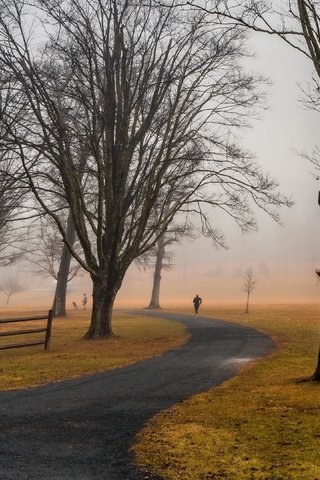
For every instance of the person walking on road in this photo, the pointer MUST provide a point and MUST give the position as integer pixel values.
(197, 302)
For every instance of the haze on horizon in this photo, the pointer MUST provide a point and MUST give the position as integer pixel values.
(283, 258)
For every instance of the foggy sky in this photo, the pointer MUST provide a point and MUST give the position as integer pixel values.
(283, 258)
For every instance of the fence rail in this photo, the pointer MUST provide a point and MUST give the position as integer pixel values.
(46, 330)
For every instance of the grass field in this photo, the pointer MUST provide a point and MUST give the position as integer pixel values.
(261, 425)
(71, 356)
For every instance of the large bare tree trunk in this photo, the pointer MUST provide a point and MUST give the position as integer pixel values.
(155, 295)
(60, 297)
(316, 375)
(103, 299)
(144, 132)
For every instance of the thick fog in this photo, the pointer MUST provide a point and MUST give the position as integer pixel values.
(283, 258)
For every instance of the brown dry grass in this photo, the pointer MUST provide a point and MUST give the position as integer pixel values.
(261, 425)
(71, 356)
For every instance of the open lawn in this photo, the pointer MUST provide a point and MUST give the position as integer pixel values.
(261, 425)
(71, 356)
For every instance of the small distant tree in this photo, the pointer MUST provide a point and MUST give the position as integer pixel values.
(162, 261)
(11, 285)
(249, 286)
(162, 257)
(158, 266)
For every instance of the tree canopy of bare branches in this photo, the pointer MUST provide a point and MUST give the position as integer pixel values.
(12, 225)
(148, 95)
(162, 258)
(296, 22)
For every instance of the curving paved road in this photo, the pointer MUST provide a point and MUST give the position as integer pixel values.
(82, 429)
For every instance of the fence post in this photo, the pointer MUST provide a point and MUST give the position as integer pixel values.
(48, 332)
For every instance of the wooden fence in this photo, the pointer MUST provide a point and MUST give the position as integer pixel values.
(44, 341)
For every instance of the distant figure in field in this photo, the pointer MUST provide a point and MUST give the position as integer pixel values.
(75, 306)
(84, 301)
(197, 302)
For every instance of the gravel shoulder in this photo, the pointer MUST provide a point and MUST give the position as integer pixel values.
(83, 429)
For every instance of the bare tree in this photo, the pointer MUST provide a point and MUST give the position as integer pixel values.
(68, 269)
(52, 258)
(12, 193)
(10, 209)
(249, 286)
(10, 285)
(16, 209)
(66, 272)
(153, 113)
(298, 24)
(316, 374)
(158, 266)
(163, 258)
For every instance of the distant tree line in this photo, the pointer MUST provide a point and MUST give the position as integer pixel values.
(116, 123)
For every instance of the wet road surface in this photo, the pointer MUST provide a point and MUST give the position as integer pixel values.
(83, 429)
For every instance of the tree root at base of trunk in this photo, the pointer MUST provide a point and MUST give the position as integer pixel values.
(88, 336)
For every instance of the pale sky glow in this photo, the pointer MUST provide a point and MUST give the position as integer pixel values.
(283, 258)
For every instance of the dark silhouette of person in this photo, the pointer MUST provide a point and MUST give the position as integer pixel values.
(197, 302)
